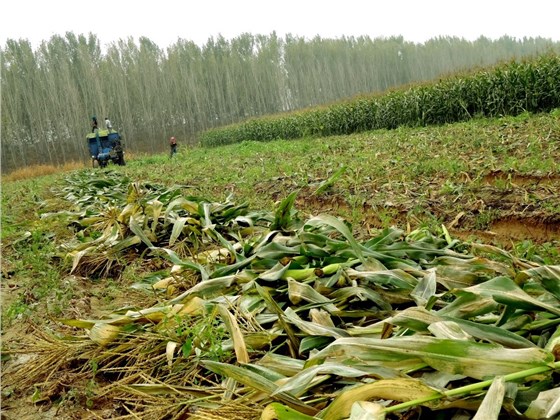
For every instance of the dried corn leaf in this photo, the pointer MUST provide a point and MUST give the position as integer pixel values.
(258, 382)
(492, 403)
(235, 332)
(400, 389)
(104, 334)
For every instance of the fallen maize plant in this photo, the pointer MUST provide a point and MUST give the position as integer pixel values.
(266, 315)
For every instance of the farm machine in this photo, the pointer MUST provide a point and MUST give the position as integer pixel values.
(105, 146)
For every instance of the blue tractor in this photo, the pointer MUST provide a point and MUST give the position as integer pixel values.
(105, 146)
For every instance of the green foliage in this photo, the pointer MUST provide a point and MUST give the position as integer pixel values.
(200, 337)
(546, 253)
(508, 89)
(283, 218)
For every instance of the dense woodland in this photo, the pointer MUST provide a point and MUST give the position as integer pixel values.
(50, 93)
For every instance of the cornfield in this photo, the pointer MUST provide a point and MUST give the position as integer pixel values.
(508, 89)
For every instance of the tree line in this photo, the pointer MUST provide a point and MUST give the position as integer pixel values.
(50, 93)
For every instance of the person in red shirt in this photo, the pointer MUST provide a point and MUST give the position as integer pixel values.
(173, 146)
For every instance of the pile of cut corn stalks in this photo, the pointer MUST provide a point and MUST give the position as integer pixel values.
(265, 315)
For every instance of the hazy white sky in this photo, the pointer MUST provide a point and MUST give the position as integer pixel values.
(165, 21)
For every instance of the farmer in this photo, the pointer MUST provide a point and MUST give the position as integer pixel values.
(172, 146)
(108, 124)
(94, 124)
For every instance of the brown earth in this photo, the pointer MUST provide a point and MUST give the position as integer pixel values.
(502, 208)
(521, 180)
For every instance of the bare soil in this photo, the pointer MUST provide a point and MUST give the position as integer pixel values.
(503, 214)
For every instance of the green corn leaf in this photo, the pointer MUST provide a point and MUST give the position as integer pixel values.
(138, 231)
(301, 291)
(285, 365)
(311, 328)
(275, 250)
(204, 211)
(469, 305)
(274, 308)
(298, 384)
(207, 288)
(393, 279)
(337, 224)
(504, 290)
(312, 342)
(418, 319)
(425, 289)
(284, 213)
(477, 360)
(125, 243)
(236, 267)
(275, 273)
(270, 374)
(361, 294)
(548, 276)
(180, 264)
(182, 203)
(448, 329)
(155, 206)
(325, 185)
(258, 382)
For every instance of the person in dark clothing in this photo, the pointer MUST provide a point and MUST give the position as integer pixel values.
(93, 124)
(172, 146)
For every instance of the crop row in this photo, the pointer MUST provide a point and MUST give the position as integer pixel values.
(508, 89)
